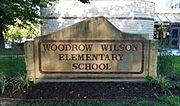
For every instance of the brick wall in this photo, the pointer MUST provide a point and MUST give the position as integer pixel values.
(131, 16)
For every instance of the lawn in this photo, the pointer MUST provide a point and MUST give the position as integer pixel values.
(168, 65)
(12, 65)
(176, 70)
(160, 101)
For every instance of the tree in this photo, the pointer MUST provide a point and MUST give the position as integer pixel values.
(14, 32)
(24, 10)
(84, 1)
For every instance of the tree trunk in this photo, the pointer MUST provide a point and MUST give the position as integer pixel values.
(2, 45)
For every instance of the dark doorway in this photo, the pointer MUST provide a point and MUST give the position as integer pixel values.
(175, 36)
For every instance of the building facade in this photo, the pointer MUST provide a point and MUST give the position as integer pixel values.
(160, 19)
(131, 16)
(167, 23)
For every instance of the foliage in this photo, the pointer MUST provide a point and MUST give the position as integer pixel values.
(15, 32)
(15, 51)
(132, 102)
(164, 84)
(12, 65)
(3, 82)
(169, 100)
(84, 1)
(161, 81)
(13, 68)
(24, 10)
(165, 28)
(150, 80)
(165, 63)
(17, 84)
(20, 83)
(177, 84)
(27, 11)
(176, 62)
(160, 101)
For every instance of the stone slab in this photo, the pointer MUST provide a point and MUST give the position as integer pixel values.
(92, 49)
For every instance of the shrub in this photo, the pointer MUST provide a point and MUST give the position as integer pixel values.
(20, 83)
(17, 84)
(161, 81)
(4, 82)
(169, 100)
(177, 85)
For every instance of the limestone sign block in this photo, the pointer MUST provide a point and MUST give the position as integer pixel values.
(88, 51)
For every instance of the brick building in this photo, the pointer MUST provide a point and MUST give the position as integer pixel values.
(131, 16)
(160, 19)
(167, 22)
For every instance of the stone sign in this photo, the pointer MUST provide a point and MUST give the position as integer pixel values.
(88, 51)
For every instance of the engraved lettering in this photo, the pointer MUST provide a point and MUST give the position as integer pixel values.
(91, 66)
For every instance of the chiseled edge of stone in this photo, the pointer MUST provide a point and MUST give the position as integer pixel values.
(29, 60)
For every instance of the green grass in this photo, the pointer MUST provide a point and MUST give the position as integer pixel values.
(160, 101)
(168, 65)
(12, 51)
(176, 71)
(12, 65)
(169, 100)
